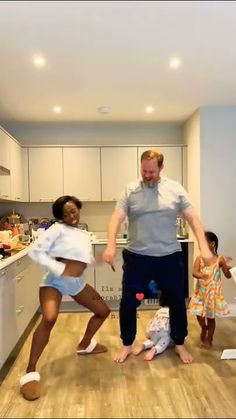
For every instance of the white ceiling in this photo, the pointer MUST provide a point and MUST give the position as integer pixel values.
(115, 53)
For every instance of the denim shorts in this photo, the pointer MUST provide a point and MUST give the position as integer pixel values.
(66, 285)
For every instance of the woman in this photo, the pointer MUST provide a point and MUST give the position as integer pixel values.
(64, 250)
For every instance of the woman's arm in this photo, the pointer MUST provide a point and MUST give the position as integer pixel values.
(38, 251)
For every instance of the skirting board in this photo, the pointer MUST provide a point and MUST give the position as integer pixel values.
(228, 354)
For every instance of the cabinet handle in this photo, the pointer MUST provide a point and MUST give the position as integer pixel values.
(20, 309)
(46, 199)
(18, 198)
(3, 272)
(18, 262)
(19, 278)
(4, 196)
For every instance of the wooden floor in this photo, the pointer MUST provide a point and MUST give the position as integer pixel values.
(95, 386)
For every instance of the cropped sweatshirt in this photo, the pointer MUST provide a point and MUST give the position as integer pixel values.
(61, 241)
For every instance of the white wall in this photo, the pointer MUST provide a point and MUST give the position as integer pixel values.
(191, 135)
(95, 133)
(211, 137)
(218, 180)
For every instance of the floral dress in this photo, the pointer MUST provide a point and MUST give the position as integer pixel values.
(207, 300)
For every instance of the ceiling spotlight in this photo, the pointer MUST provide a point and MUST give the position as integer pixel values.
(57, 109)
(175, 63)
(39, 61)
(149, 109)
(104, 109)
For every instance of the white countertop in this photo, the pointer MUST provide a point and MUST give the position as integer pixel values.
(6, 262)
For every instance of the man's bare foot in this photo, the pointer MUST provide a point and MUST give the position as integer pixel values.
(140, 348)
(184, 355)
(123, 354)
(150, 354)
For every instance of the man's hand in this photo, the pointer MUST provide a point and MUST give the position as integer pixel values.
(109, 254)
(208, 257)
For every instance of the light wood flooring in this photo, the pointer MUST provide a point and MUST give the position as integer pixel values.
(94, 386)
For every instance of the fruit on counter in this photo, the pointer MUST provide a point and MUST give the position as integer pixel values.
(6, 246)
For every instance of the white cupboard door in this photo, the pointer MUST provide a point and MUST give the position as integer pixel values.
(45, 174)
(119, 166)
(16, 171)
(82, 173)
(8, 327)
(108, 283)
(5, 180)
(173, 164)
(5, 149)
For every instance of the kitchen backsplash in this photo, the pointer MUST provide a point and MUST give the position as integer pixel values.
(95, 214)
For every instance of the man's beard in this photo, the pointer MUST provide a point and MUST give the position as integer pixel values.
(152, 184)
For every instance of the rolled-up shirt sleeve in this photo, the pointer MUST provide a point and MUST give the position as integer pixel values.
(39, 251)
(122, 202)
(184, 199)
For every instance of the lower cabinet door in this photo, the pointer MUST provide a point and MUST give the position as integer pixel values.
(107, 282)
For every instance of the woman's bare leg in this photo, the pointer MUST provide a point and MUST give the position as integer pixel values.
(50, 299)
(90, 299)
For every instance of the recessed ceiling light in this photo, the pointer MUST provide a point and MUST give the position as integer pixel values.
(149, 109)
(57, 109)
(175, 63)
(104, 109)
(39, 61)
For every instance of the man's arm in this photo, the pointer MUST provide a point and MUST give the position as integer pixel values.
(117, 218)
(198, 231)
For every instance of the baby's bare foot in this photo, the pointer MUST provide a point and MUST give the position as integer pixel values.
(150, 354)
(140, 348)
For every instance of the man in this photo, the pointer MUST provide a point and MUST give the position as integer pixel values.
(152, 205)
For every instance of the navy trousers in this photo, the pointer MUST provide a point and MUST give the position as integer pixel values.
(168, 274)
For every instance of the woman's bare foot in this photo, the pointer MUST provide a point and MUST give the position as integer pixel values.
(123, 354)
(150, 354)
(140, 348)
(184, 355)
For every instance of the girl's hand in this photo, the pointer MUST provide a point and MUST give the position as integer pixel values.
(229, 262)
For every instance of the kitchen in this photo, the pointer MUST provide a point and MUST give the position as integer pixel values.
(48, 155)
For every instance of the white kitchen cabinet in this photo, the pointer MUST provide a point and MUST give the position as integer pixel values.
(173, 161)
(82, 174)
(45, 174)
(5, 149)
(16, 171)
(118, 166)
(5, 180)
(19, 300)
(8, 329)
(108, 283)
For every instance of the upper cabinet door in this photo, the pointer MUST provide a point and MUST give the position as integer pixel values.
(119, 166)
(173, 161)
(5, 180)
(82, 175)
(5, 149)
(16, 171)
(45, 174)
